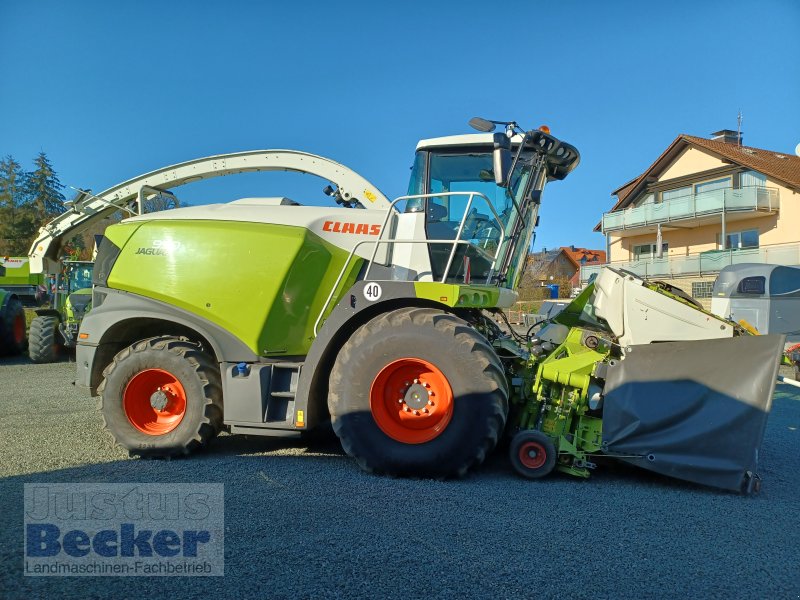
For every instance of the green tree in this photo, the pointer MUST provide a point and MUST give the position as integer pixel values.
(44, 190)
(17, 223)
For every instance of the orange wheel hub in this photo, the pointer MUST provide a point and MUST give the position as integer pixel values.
(154, 401)
(411, 401)
(18, 329)
(532, 455)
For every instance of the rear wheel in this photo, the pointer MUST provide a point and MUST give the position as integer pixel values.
(162, 397)
(532, 454)
(13, 328)
(43, 344)
(417, 391)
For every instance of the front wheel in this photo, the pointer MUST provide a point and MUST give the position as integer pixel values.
(532, 454)
(162, 397)
(43, 346)
(418, 392)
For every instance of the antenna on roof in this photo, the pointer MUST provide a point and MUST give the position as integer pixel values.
(739, 128)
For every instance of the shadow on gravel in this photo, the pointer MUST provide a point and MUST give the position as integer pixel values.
(303, 521)
(24, 359)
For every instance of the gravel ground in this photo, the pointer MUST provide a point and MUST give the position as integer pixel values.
(303, 521)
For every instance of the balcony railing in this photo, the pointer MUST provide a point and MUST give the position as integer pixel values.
(704, 263)
(755, 198)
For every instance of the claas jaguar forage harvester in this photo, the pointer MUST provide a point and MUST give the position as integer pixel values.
(265, 316)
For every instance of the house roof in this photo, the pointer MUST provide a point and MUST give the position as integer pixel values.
(776, 165)
(579, 254)
(780, 166)
(542, 260)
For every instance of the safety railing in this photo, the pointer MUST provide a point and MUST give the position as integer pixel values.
(702, 263)
(692, 206)
(455, 243)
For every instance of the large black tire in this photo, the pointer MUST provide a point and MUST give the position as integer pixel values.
(12, 328)
(43, 344)
(126, 398)
(462, 356)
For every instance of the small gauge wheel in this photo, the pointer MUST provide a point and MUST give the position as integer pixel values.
(532, 454)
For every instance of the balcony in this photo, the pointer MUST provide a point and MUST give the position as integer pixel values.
(695, 209)
(703, 263)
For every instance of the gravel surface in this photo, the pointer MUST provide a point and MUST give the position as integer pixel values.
(303, 521)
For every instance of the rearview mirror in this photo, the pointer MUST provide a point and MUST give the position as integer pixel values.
(501, 159)
(481, 124)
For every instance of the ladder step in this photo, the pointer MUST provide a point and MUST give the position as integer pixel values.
(282, 394)
(286, 365)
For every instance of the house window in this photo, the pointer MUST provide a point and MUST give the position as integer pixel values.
(647, 199)
(710, 186)
(752, 178)
(702, 289)
(740, 239)
(668, 195)
(645, 251)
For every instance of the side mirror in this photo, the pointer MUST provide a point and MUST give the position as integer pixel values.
(501, 159)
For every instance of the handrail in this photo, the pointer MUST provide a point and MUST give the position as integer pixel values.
(703, 263)
(425, 197)
(454, 242)
(723, 200)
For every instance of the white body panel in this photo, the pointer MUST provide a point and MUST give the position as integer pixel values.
(413, 257)
(342, 227)
(638, 315)
(91, 208)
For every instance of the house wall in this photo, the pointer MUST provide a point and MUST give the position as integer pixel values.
(691, 161)
(773, 229)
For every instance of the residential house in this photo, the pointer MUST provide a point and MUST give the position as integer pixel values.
(702, 205)
(562, 264)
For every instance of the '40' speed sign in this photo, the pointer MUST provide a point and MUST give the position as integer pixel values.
(372, 291)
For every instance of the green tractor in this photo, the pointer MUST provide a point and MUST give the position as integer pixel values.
(380, 317)
(56, 328)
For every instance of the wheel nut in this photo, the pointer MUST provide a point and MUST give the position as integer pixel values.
(399, 400)
(426, 384)
(430, 393)
(425, 410)
(430, 402)
(405, 408)
(416, 381)
(416, 412)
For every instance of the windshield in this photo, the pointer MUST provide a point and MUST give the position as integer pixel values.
(486, 227)
(79, 276)
(451, 172)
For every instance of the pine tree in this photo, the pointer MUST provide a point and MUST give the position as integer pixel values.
(44, 190)
(17, 224)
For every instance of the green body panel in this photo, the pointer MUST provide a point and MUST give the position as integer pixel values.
(560, 400)
(70, 315)
(20, 275)
(454, 295)
(266, 284)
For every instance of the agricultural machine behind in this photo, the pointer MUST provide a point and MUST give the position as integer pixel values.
(56, 328)
(379, 316)
(12, 323)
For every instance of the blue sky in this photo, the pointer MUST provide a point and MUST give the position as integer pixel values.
(114, 89)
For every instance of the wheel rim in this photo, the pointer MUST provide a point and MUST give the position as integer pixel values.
(532, 455)
(411, 401)
(154, 402)
(18, 329)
